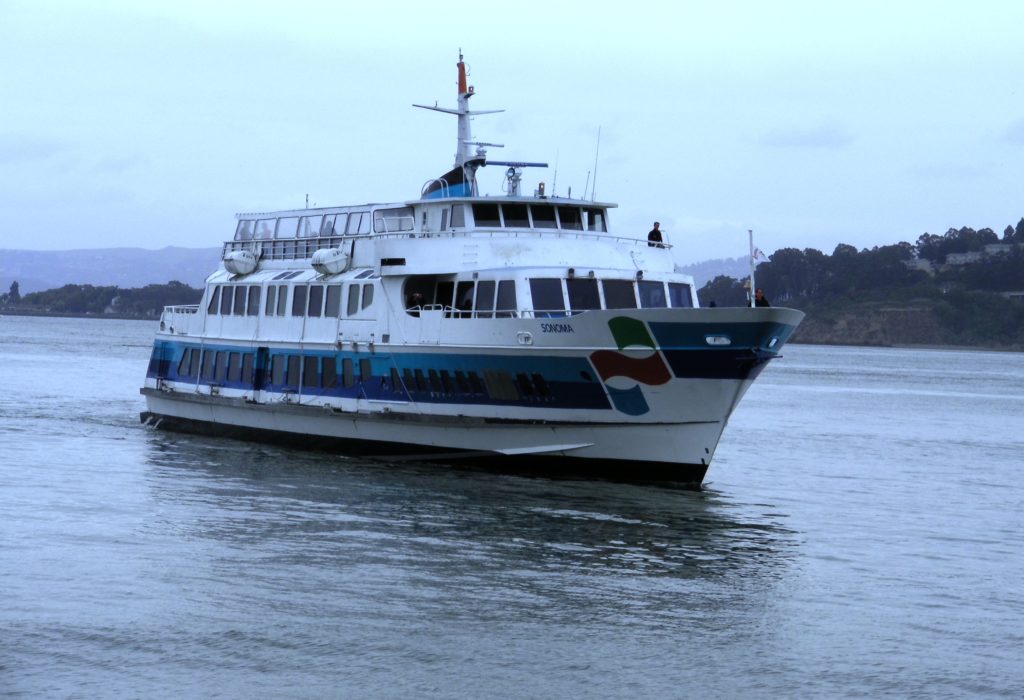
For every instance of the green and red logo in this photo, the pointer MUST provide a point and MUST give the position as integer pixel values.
(650, 370)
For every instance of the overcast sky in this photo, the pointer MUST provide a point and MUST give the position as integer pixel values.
(812, 123)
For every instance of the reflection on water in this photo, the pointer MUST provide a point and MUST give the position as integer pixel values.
(483, 543)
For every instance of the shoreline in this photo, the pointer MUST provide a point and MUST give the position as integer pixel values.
(851, 344)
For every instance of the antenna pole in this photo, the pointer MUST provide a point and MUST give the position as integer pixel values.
(593, 190)
(750, 238)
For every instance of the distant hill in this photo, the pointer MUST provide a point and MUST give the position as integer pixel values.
(39, 270)
(704, 272)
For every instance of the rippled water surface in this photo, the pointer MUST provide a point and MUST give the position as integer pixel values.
(860, 534)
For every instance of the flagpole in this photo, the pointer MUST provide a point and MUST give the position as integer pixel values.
(750, 236)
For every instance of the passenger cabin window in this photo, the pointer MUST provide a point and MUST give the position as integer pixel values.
(583, 294)
(464, 298)
(282, 299)
(287, 226)
(271, 300)
(240, 293)
(391, 220)
(225, 301)
(333, 309)
(316, 299)
(254, 300)
(543, 216)
(214, 301)
(299, 300)
(679, 295)
(619, 294)
(265, 229)
(243, 232)
(353, 299)
(367, 295)
(547, 297)
(652, 295)
(506, 306)
(309, 226)
(484, 299)
(486, 215)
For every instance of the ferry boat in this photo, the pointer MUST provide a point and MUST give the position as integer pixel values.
(513, 330)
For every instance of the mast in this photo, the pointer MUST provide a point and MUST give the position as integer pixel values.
(466, 157)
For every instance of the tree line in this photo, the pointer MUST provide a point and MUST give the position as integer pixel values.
(143, 302)
(965, 300)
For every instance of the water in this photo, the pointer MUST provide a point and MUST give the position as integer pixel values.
(860, 535)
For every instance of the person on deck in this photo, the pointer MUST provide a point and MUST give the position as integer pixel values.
(760, 299)
(654, 238)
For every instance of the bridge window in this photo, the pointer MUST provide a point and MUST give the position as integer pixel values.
(516, 215)
(271, 300)
(652, 295)
(680, 296)
(282, 299)
(358, 222)
(367, 295)
(543, 216)
(619, 294)
(486, 215)
(353, 299)
(596, 220)
(570, 218)
(458, 216)
(214, 300)
(225, 301)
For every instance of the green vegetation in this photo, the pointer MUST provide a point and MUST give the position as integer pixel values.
(85, 299)
(877, 297)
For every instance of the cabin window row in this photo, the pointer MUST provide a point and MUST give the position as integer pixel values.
(311, 226)
(554, 295)
(495, 384)
(542, 216)
(290, 372)
(217, 366)
(314, 300)
(465, 299)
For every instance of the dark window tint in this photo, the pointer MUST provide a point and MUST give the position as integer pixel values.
(221, 370)
(208, 359)
(475, 384)
(277, 370)
(353, 299)
(225, 301)
(282, 299)
(679, 295)
(240, 294)
(330, 378)
(506, 299)
(309, 372)
(652, 295)
(570, 218)
(271, 300)
(596, 220)
(516, 215)
(547, 295)
(446, 382)
(214, 301)
(583, 294)
(445, 292)
(485, 298)
(396, 380)
(234, 367)
(254, 300)
(294, 370)
(247, 368)
(193, 369)
(461, 381)
(348, 373)
(410, 382)
(486, 215)
(316, 299)
(540, 385)
(543, 216)
(464, 297)
(367, 295)
(618, 294)
(525, 387)
(435, 380)
(299, 300)
(421, 383)
(365, 371)
(183, 369)
(333, 309)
